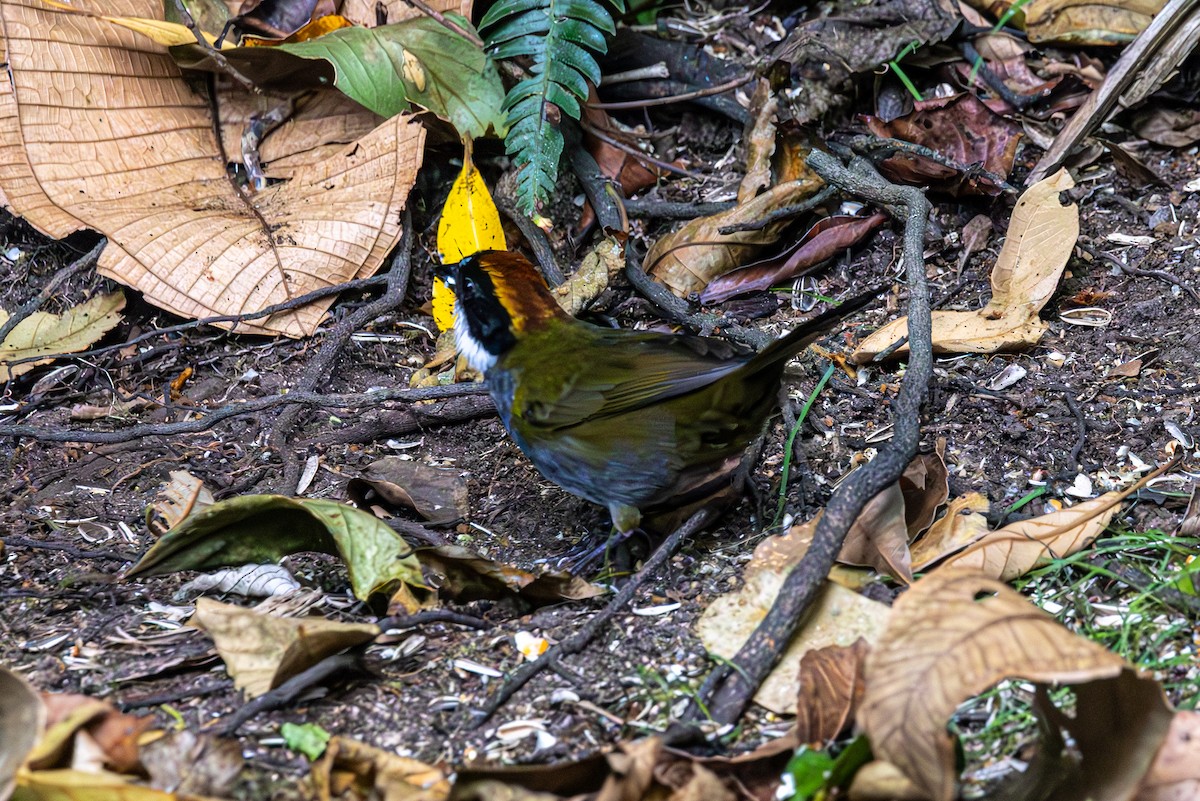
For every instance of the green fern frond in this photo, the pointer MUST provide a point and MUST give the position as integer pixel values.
(559, 36)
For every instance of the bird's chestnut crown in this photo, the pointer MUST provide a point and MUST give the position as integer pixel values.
(498, 297)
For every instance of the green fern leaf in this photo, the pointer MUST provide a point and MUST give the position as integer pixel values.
(559, 36)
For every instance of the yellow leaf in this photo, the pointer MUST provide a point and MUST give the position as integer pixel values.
(45, 334)
(169, 34)
(470, 223)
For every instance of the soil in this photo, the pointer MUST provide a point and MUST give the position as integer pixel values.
(73, 514)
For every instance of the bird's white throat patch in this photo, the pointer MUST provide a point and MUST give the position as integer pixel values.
(477, 355)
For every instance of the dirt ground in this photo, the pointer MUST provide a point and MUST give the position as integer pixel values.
(73, 514)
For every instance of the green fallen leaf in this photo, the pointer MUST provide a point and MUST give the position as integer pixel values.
(308, 738)
(418, 61)
(261, 529)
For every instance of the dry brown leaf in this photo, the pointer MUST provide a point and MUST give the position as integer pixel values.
(44, 333)
(354, 771)
(686, 259)
(956, 633)
(183, 495)
(760, 142)
(881, 535)
(261, 651)
(438, 494)
(1041, 236)
(831, 687)
(963, 524)
(1010, 552)
(1175, 774)
(1083, 22)
(601, 264)
(122, 145)
(839, 616)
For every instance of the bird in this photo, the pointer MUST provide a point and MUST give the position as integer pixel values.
(650, 425)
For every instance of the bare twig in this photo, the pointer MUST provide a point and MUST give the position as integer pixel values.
(216, 55)
(213, 416)
(580, 639)
(450, 24)
(668, 210)
(796, 209)
(721, 88)
(318, 370)
(731, 687)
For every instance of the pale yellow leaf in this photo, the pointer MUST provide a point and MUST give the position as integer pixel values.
(1019, 547)
(1041, 236)
(963, 524)
(261, 651)
(168, 34)
(43, 333)
(839, 616)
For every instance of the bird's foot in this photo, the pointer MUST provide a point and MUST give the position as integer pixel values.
(613, 553)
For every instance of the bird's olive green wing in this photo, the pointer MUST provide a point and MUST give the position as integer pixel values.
(628, 372)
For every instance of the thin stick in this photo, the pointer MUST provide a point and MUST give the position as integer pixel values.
(666, 101)
(450, 24)
(33, 304)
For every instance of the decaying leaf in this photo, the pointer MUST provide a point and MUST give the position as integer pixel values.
(438, 494)
(954, 634)
(601, 264)
(22, 719)
(1167, 126)
(464, 575)
(831, 688)
(824, 240)
(686, 259)
(43, 333)
(1175, 774)
(839, 616)
(1041, 237)
(354, 771)
(1095, 22)
(259, 529)
(85, 732)
(263, 651)
(191, 763)
(961, 129)
(187, 238)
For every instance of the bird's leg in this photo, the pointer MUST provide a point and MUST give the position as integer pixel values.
(626, 522)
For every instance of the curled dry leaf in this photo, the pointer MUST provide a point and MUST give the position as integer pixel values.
(353, 771)
(686, 259)
(824, 240)
(187, 238)
(22, 718)
(954, 634)
(1097, 22)
(45, 334)
(263, 651)
(464, 575)
(1041, 237)
(831, 687)
(601, 264)
(881, 535)
(183, 495)
(839, 616)
(438, 494)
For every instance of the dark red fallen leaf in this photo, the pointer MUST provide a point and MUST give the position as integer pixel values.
(825, 239)
(961, 129)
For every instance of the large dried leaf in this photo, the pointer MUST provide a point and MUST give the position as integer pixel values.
(42, 332)
(464, 575)
(438, 494)
(1041, 236)
(953, 635)
(99, 130)
(263, 651)
(831, 688)
(839, 616)
(353, 771)
(686, 259)
(22, 718)
(1010, 552)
